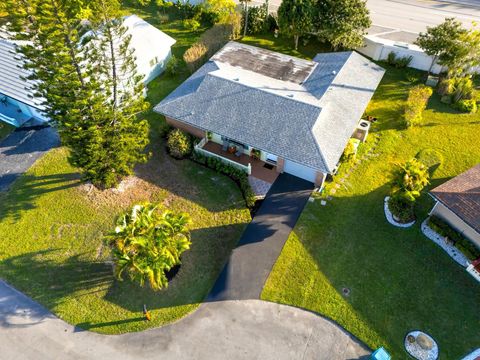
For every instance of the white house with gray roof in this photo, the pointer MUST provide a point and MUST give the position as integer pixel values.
(18, 103)
(249, 104)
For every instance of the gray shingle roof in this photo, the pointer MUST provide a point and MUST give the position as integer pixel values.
(13, 77)
(307, 120)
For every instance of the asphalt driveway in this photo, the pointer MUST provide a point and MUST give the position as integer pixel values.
(21, 149)
(260, 245)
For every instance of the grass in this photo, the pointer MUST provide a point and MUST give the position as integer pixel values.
(5, 129)
(399, 280)
(52, 227)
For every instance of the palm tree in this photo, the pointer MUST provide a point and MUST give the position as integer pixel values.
(146, 244)
(410, 179)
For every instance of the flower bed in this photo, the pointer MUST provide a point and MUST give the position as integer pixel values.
(390, 218)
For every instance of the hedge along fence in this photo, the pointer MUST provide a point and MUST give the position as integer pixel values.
(417, 102)
(239, 176)
(209, 43)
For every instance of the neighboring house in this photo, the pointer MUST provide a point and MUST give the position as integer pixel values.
(458, 203)
(18, 103)
(152, 47)
(274, 111)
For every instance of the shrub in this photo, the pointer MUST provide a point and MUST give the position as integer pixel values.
(217, 10)
(235, 22)
(456, 89)
(191, 24)
(467, 106)
(460, 242)
(164, 129)
(271, 23)
(216, 37)
(179, 144)
(172, 66)
(401, 208)
(257, 16)
(195, 56)
(417, 102)
(398, 62)
(239, 176)
(350, 150)
(412, 76)
(410, 179)
(147, 244)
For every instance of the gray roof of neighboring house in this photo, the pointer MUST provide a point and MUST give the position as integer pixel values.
(304, 111)
(13, 77)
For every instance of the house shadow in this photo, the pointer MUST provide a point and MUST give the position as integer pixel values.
(21, 195)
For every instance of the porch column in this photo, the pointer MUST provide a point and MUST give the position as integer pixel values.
(280, 164)
(320, 179)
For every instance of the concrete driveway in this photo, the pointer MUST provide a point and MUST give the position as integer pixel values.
(21, 149)
(249, 329)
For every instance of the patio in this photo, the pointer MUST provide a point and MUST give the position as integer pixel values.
(261, 177)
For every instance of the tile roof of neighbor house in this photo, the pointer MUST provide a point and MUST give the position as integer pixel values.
(304, 111)
(462, 196)
(13, 77)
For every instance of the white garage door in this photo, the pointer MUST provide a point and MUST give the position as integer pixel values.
(301, 171)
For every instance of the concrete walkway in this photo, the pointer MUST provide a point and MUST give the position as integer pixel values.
(21, 149)
(260, 245)
(232, 330)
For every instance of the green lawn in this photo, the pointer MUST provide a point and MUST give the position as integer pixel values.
(399, 280)
(52, 227)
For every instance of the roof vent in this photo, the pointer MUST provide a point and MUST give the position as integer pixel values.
(290, 95)
(236, 79)
(334, 72)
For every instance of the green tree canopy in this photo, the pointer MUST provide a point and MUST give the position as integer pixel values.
(341, 22)
(295, 18)
(92, 92)
(147, 243)
(443, 42)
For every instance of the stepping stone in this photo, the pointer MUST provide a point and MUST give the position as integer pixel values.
(337, 186)
(329, 198)
(333, 191)
(342, 180)
(323, 202)
(311, 199)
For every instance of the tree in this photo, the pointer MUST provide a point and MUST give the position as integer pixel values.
(442, 42)
(295, 18)
(341, 22)
(220, 8)
(410, 179)
(148, 243)
(416, 103)
(92, 92)
(245, 11)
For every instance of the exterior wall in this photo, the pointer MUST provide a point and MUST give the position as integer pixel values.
(378, 49)
(320, 179)
(151, 72)
(443, 212)
(185, 127)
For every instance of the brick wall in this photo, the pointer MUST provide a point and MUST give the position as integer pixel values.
(187, 128)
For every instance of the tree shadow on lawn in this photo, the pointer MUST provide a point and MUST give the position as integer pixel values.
(23, 193)
(398, 279)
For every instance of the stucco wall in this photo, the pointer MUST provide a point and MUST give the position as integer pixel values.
(443, 212)
(185, 127)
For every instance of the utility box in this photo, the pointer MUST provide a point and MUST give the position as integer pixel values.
(361, 132)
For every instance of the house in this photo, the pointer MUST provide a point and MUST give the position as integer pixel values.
(458, 203)
(266, 111)
(18, 103)
(152, 47)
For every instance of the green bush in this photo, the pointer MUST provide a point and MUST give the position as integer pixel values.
(460, 242)
(191, 24)
(239, 176)
(257, 16)
(172, 66)
(430, 158)
(401, 208)
(398, 62)
(350, 150)
(467, 106)
(179, 144)
(416, 102)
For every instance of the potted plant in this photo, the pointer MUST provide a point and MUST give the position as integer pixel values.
(255, 154)
(232, 149)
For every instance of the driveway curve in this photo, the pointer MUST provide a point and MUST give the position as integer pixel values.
(247, 329)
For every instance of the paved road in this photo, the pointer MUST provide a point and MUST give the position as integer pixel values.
(260, 245)
(250, 330)
(21, 149)
(414, 15)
